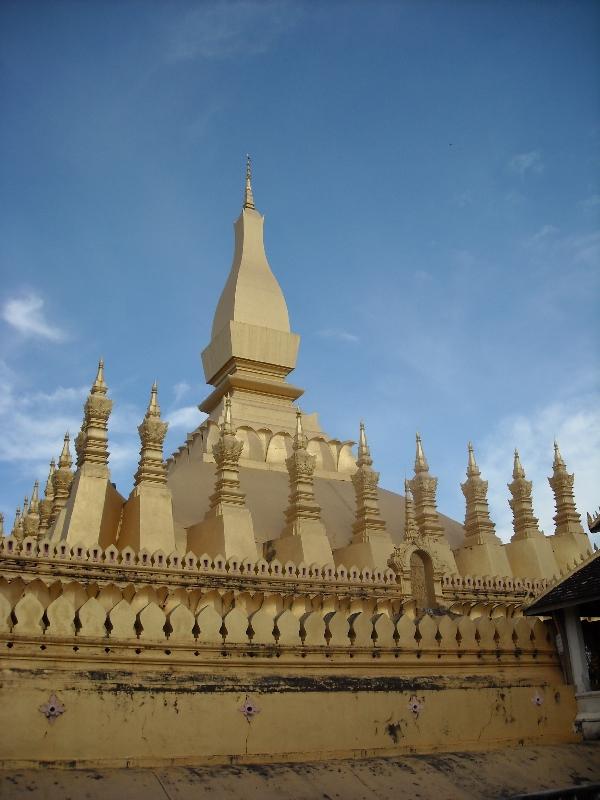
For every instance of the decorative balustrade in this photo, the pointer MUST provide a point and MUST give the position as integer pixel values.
(204, 564)
(37, 616)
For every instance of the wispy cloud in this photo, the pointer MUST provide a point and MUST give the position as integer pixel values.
(339, 334)
(187, 417)
(26, 315)
(180, 390)
(591, 203)
(217, 30)
(542, 235)
(576, 427)
(522, 163)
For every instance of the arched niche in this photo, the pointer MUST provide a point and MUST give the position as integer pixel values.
(346, 459)
(280, 448)
(421, 579)
(253, 447)
(325, 458)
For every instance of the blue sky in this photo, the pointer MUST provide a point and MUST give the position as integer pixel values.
(429, 176)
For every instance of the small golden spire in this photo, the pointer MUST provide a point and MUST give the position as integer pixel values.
(49, 489)
(421, 464)
(153, 407)
(65, 459)
(25, 506)
(35, 497)
(248, 196)
(472, 468)
(99, 387)
(18, 523)
(518, 471)
(1, 524)
(227, 426)
(558, 459)
(300, 439)
(364, 453)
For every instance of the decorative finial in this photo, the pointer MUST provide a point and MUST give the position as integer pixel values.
(35, 496)
(153, 407)
(300, 439)
(472, 468)
(227, 426)
(364, 454)
(25, 506)
(1, 524)
(248, 196)
(99, 387)
(518, 471)
(421, 464)
(558, 459)
(64, 459)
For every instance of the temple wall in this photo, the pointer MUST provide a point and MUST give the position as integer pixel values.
(163, 671)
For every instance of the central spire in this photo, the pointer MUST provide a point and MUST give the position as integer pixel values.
(251, 340)
(248, 196)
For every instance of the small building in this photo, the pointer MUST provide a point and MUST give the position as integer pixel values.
(574, 604)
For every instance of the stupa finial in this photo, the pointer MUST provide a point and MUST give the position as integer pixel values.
(518, 471)
(227, 426)
(472, 468)
(248, 196)
(99, 387)
(300, 439)
(421, 464)
(153, 407)
(65, 460)
(558, 459)
(364, 453)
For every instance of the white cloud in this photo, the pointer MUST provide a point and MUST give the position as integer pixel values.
(576, 426)
(188, 417)
(216, 30)
(521, 163)
(339, 334)
(591, 203)
(180, 389)
(26, 315)
(545, 232)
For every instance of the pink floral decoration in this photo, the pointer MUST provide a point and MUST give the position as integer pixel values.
(52, 709)
(249, 708)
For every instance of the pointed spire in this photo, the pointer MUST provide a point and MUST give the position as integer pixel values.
(300, 439)
(423, 487)
(421, 464)
(525, 525)
(65, 460)
(364, 453)
(62, 479)
(248, 196)
(472, 468)
(518, 471)
(479, 527)
(17, 529)
(25, 506)
(46, 503)
(35, 497)
(567, 519)
(1, 524)
(152, 431)
(368, 521)
(227, 425)
(91, 443)
(49, 489)
(558, 459)
(153, 407)
(99, 387)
